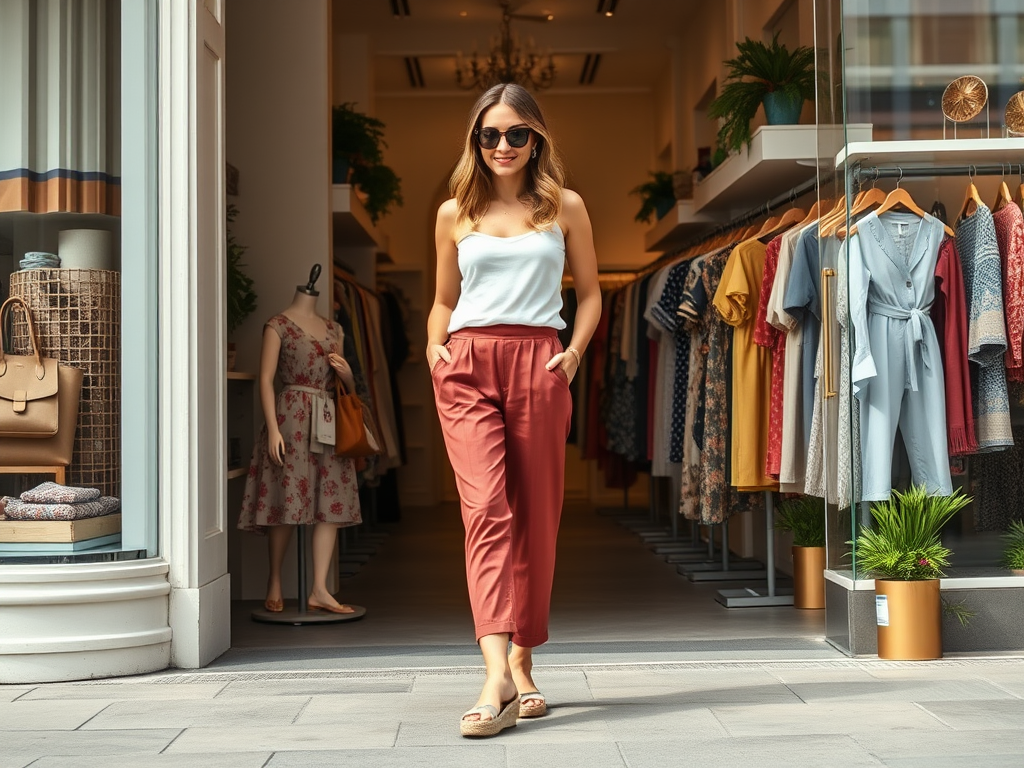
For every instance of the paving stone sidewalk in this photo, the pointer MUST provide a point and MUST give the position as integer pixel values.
(839, 714)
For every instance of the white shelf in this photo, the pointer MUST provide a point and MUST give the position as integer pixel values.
(677, 226)
(933, 152)
(352, 225)
(779, 158)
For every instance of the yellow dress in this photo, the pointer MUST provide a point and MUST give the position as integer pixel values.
(738, 301)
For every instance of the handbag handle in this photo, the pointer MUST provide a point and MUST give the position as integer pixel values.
(15, 300)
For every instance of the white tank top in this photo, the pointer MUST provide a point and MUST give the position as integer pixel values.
(510, 280)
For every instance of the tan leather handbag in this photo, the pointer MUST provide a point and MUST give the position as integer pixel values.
(39, 401)
(354, 436)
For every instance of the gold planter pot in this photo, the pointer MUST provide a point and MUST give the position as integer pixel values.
(809, 577)
(914, 613)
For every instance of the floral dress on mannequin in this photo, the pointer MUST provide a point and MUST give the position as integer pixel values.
(311, 487)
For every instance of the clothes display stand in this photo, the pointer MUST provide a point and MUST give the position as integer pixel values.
(301, 615)
(726, 570)
(751, 597)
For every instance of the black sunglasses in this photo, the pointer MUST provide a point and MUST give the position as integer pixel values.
(488, 138)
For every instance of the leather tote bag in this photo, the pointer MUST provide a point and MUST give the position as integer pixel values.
(39, 401)
(353, 437)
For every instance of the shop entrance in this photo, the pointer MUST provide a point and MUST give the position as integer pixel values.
(631, 84)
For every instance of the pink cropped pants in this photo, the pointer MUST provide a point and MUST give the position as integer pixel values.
(505, 420)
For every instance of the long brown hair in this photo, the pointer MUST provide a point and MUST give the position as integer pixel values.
(471, 185)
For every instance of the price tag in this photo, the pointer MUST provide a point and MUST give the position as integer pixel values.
(882, 610)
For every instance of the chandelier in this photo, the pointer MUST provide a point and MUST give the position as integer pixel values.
(508, 61)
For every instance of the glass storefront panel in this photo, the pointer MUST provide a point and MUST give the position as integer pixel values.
(933, 79)
(78, 243)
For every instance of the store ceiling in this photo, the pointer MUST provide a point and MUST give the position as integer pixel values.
(634, 43)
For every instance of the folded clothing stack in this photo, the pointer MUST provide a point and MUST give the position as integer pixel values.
(40, 260)
(51, 501)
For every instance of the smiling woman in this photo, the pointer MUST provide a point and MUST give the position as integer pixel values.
(501, 378)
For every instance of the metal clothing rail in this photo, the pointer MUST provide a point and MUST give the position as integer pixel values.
(863, 174)
(764, 209)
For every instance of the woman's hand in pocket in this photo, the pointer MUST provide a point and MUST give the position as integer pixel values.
(436, 352)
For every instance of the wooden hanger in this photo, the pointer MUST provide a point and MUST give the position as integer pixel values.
(812, 214)
(790, 218)
(1003, 197)
(972, 200)
(900, 197)
(1019, 199)
(838, 213)
(868, 200)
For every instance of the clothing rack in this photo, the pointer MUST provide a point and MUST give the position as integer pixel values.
(862, 174)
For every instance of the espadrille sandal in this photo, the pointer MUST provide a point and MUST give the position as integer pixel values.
(499, 720)
(533, 710)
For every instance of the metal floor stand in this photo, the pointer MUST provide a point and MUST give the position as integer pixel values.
(751, 597)
(727, 570)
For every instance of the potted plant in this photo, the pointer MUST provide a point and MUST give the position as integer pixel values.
(241, 298)
(766, 74)
(804, 517)
(657, 196)
(904, 553)
(358, 158)
(1013, 554)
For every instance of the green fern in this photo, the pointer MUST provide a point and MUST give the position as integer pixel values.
(904, 543)
(1013, 554)
(240, 298)
(759, 69)
(805, 517)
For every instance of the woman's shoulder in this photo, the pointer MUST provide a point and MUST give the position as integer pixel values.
(573, 210)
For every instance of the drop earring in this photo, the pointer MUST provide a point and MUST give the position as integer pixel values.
(533, 154)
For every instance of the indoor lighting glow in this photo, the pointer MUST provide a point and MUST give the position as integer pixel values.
(507, 62)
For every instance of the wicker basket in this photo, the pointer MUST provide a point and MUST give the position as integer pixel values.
(77, 313)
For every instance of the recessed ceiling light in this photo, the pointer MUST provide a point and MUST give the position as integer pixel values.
(608, 13)
(463, 13)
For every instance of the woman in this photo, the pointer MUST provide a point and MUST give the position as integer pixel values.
(501, 378)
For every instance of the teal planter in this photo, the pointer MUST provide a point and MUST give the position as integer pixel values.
(662, 207)
(781, 108)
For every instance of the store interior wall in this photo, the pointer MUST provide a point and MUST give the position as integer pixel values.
(278, 120)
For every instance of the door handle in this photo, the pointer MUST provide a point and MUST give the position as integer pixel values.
(827, 321)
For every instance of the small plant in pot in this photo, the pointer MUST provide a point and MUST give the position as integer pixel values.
(657, 196)
(1013, 554)
(241, 298)
(358, 158)
(804, 516)
(904, 552)
(762, 73)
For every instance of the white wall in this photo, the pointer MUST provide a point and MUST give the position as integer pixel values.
(278, 122)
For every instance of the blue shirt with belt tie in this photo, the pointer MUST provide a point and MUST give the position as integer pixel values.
(897, 362)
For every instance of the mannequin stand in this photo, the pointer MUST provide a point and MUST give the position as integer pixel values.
(300, 615)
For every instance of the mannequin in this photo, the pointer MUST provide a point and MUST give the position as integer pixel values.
(292, 481)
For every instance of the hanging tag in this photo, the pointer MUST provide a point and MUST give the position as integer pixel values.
(882, 610)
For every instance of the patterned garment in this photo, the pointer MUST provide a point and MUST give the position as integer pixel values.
(718, 500)
(998, 479)
(767, 335)
(54, 493)
(690, 315)
(620, 408)
(986, 330)
(310, 487)
(16, 509)
(665, 313)
(1009, 223)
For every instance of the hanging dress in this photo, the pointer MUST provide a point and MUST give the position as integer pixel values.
(897, 361)
(311, 487)
(986, 328)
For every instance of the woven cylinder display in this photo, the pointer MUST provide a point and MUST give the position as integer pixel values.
(77, 313)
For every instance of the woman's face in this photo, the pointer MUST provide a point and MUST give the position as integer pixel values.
(504, 159)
